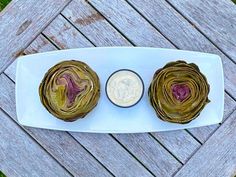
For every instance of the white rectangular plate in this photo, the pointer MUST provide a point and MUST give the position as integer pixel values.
(106, 117)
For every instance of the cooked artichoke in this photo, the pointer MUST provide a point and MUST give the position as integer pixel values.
(70, 90)
(178, 92)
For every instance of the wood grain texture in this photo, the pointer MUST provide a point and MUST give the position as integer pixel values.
(130, 23)
(40, 44)
(93, 25)
(216, 19)
(21, 22)
(111, 154)
(21, 156)
(203, 133)
(178, 142)
(72, 13)
(152, 154)
(59, 144)
(183, 34)
(69, 152)
(217, 157)
(60, 30)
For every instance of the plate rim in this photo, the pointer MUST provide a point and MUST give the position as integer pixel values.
(19, 61)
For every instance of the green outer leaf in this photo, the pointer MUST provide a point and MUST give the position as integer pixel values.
(2, 175)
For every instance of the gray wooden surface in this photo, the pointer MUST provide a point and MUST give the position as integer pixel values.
(21, 22)
(40, 26)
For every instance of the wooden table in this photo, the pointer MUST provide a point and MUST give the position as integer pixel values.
(31, 26)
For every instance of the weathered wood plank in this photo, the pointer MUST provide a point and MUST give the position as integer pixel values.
(217, 157)
(203, 133)
(216, 19)
(69, 152)
(21, 156)
(130, 23)
(152, 154)
(171, 24)
(179, 143)
(91, 22)
(21, 22)
(59, 30)
(40, 44)
(185, 36)
(59, 144)
(111, 154)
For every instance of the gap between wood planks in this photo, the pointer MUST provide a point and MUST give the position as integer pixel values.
(91, 154)
(30, 136)
(124, 34)
(201, 31)
(220, 157)
(206, 140)
(136, 157)
(195, 26)
(22, 127)
(230, 95)
(27, 22)
(148, 22)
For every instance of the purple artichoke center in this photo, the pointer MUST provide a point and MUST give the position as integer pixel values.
(180, 91)
(72, 89)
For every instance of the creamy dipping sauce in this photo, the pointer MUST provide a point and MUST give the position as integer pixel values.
(124, 88)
